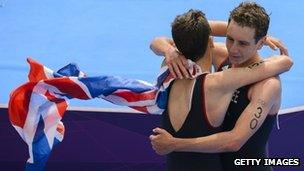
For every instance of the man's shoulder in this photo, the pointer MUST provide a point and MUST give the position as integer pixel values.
(271, 82)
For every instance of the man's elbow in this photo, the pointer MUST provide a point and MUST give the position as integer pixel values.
(235, 145)
(152, 44)
(288, 62)
(156, 41)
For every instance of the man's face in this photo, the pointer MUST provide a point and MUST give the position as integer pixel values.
(240, 43)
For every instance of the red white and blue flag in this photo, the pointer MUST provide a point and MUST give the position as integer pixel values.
(37, 107)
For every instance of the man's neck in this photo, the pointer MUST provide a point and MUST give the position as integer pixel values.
(250, 61)
(205, 62)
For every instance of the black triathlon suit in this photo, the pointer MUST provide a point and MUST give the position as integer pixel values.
(256, 146)
(196, 124)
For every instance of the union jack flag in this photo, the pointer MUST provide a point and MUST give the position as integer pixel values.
(37, 107)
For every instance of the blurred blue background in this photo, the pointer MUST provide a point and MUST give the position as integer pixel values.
(112, 38)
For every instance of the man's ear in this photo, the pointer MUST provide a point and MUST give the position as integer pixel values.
(261, 42)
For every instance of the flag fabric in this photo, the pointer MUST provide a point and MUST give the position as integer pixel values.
(37, 107)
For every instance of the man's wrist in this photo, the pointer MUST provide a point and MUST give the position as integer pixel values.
(169, 51)
(175, 144)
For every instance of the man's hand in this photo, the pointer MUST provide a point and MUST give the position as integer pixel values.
(176, 63)
(275, 43)
(162, 141)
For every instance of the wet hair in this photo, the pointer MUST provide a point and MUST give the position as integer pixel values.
(251, 14)
(190, 32)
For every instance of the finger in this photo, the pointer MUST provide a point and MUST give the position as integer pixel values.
(177, 71)
(272, 45)
(183, 70)
(286, 52)
(158, 130)
(159, 153)
(153, 144)
(184, 60)
(152, 137)
(279, 44)
(155, 129)
(153, 148)
(171, 70)
(282, 47)
(283, 50)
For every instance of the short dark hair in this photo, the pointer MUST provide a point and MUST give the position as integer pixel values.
(190, 32)
(251, 14)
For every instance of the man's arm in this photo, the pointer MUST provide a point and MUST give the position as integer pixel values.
(233, 78)
(175, 61)
(163, 46)
(220, 54)
(218, 28)
(249, 122)
(275, 44)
